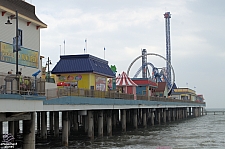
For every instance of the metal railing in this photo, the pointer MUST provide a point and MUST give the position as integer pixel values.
(22, 92)
(27, 88)
(60, 92)
(27, 85)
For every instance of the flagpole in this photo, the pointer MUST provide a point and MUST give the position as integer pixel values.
(60, 50)
(104, 52)
(64, 46)
(86, 44)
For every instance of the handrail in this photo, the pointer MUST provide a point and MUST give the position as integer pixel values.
(60, 92)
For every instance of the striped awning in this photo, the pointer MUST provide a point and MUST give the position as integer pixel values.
(124, 80)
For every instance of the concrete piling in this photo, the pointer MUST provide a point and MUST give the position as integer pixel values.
(11, 128)
(1, 130)
(100, 123)
(90, 125)
(152, 118)
(135, 118)
(164, 116)
(169, 115)
(29, 133)
(65, 135)
(109, 122)
(51, 122)
(44, 125)
(39, 122)
(123, 120)
(75, 120)
(159, 116)
(144, 117)
(56, 124)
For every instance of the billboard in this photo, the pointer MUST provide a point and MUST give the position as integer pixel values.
(26, 57)
(100, 83)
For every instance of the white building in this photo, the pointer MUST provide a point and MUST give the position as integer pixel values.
(29, 27)
(184, 94)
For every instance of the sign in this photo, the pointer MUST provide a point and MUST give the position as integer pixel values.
(70, 78)
(14, 43)
(8, 141)
(100, 83)
(26, 57)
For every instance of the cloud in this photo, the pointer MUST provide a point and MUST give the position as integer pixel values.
(126, 27)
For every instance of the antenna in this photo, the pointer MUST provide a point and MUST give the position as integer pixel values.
(104, 52)
(64, 46)
(60, 49)
(85, 44)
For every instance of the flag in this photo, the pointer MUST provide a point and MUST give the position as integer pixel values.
(64, 41)
(19, 44)
(104, 48)
(85, 40)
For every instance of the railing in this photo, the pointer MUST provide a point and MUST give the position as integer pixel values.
(27, 85)
(22, 92)
(215, 112)
(60, 92)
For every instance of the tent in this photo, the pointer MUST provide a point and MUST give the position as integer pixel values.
(125, 84)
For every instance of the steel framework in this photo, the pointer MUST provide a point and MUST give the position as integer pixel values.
(167, 17)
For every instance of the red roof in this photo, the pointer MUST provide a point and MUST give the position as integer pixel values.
(145, 82)
(124, 80)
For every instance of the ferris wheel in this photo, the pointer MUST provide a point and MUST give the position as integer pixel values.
(158, 76)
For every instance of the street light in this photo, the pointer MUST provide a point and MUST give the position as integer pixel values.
(48, 63)
(8, 22)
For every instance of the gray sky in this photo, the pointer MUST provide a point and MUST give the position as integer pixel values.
(125, 27)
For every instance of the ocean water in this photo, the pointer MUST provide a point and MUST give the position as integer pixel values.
(205, 132)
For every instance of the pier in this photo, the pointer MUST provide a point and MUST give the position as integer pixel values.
(103, 111)
(83, 90)
(214, 112)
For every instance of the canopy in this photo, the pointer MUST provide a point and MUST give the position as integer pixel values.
(124, 80)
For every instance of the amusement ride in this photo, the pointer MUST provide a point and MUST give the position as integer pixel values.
(158, 74)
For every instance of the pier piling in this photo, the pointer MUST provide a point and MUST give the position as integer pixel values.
(65, 135)
(29, 132)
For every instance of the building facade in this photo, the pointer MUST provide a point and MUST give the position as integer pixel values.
(184, 94)
(29, 27)
(82, 71)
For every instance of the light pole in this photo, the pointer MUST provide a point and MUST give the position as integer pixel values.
(48, 63)
(8, 22)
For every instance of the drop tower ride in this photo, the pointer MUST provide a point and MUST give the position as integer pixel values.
(167, 17)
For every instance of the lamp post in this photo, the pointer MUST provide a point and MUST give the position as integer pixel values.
(16, 50)
(48, 63)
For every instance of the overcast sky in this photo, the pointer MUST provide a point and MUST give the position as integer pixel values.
(124, 27)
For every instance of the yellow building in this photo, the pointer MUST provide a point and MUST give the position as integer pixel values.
(83, 71)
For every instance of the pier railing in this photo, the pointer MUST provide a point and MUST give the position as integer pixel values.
(13, 84)
(214, 112)
(60, 92)
(30, 86)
